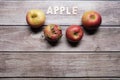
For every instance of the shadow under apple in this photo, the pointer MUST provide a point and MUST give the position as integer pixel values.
(53, 43)
(91, 32)
(36, 30)
(73, 44)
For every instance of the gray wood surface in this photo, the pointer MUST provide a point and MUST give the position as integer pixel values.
(59, 65)
(17, 10)
(59, 79)
(20, 38)
(24, 53)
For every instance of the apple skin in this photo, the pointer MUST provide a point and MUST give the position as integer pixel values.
(35, 18)
(74, 33)
(52, 32)
(91, 20)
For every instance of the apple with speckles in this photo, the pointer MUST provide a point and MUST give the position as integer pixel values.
(53, 32)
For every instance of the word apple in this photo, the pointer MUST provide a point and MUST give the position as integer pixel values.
(52, 32)
(74, 33)
(35, 18)
(61, 10)
(91, 20)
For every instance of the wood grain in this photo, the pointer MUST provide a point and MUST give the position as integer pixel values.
(59, 65)
(26, 53)
(21, 38)
(110, 11)
(60, 79)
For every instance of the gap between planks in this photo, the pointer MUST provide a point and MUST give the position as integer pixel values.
(85, 77)
(66, 25)
(59, 52)
(59, 78)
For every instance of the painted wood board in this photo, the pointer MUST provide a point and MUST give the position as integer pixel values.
(110, 11)
(21, 38)
(60, 79)
(59, 65)
(24, 53)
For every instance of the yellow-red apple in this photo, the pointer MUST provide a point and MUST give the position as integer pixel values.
(35, 18)
(91, 20)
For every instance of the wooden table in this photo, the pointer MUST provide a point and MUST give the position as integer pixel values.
(26, 55)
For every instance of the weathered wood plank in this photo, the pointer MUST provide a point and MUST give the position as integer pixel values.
(21, 38)
(59, 65)
(60, 79)
(60, 0)
(110, 11)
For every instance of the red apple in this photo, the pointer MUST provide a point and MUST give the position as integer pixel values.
(91, 20)
(74, 33)
(52, 32)
(35, 18)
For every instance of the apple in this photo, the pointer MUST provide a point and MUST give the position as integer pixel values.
(35, 18)
(52, 32)
(91, 20)
(74, 33)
